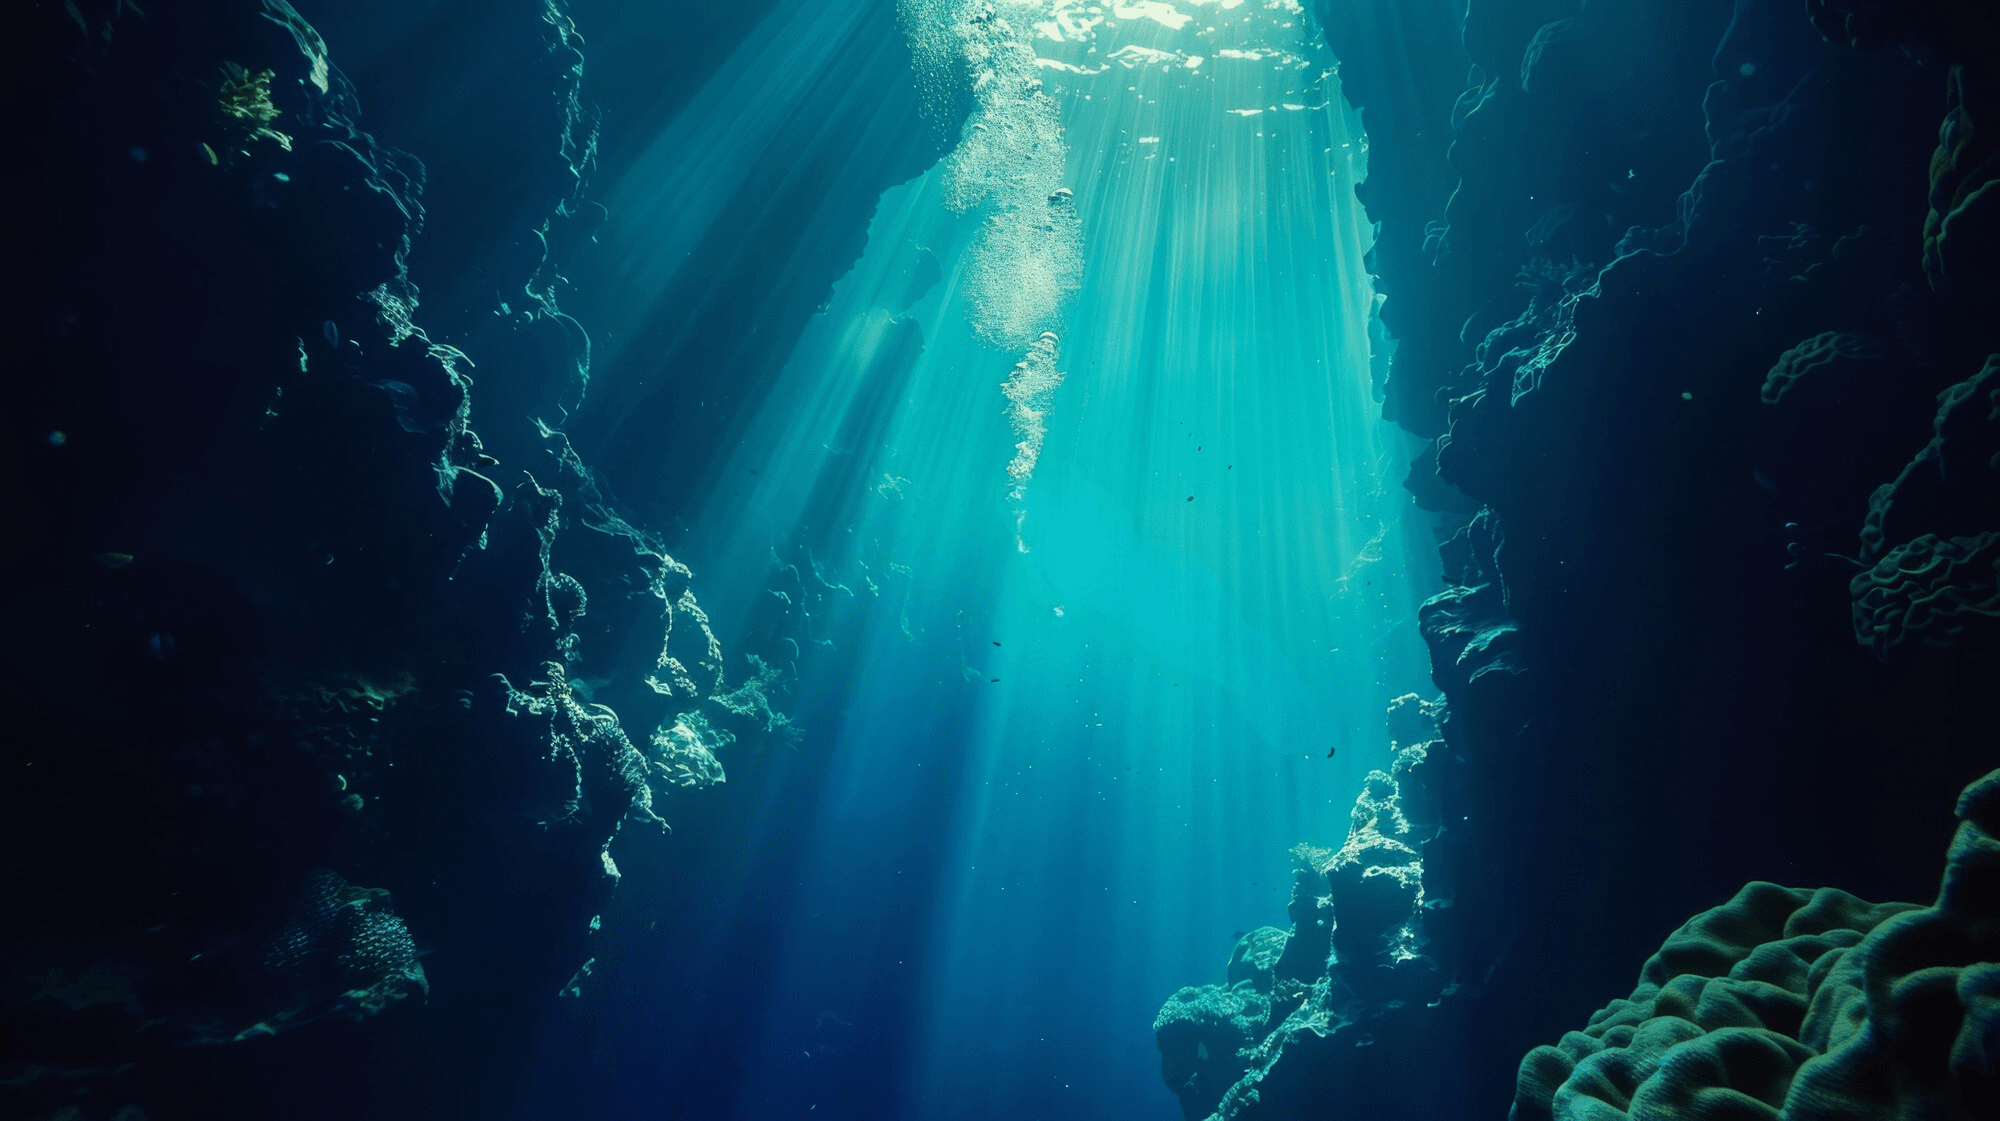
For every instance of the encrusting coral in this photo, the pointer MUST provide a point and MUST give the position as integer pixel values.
(1936, 585)
(245, 98)
(1354, 952)
(1796, 1005)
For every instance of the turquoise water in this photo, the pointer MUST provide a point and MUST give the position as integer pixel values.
(1069, 733)
(743, 560)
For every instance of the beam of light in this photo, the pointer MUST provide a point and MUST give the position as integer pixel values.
(1058, 781)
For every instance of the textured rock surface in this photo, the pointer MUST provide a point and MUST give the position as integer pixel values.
(1794, 1005)
(340, 651)
(1674, 290)
(1940, 587)
(1300, 1003)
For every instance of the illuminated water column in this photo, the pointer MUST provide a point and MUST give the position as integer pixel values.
(1081, 765)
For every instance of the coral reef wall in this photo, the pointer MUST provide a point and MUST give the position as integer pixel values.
(332, 666)
(1693, 300)
(1316, 1004)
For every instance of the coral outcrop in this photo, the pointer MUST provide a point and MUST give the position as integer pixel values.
(336, 653)
(1935, 586)
(1300, 1001)
(1792, 1004)
(1679, 294)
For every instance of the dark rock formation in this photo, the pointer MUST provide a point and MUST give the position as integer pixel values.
(1936, 586)
(1300, 1006)
(1681, 292)
(300, 609)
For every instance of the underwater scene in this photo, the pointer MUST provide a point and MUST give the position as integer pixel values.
(1004, 560)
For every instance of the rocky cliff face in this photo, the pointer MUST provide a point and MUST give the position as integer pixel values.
(1690, 299)
(323, 713)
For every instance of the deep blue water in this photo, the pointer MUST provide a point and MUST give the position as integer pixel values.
(961, 560)
(1054, 751)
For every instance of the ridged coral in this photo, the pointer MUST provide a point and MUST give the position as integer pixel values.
(1932, 588)
(1354, 953)
(1206, 1035)
(344, 949)
(1826, 351)
(1791, 1004)
(1962, 232)
(1937, 584)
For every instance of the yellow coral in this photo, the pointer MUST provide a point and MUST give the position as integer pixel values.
(246, 99)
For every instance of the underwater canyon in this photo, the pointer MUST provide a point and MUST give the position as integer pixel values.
(950, 560)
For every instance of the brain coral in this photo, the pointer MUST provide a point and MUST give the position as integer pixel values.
(1963, 228)
(1931, 587)
(1792, 1005)
(1937, 584)
(1829, 349)
(1206, 1033)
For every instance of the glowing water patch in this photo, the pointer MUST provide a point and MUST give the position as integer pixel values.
(1052, 64)
(1072, 21)
(1164, 14)
(1132, 56)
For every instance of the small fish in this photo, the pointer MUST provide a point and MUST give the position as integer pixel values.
(996, 681)
(114, 560)
(996, 642)
(1330, 751)
(1190, 498)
